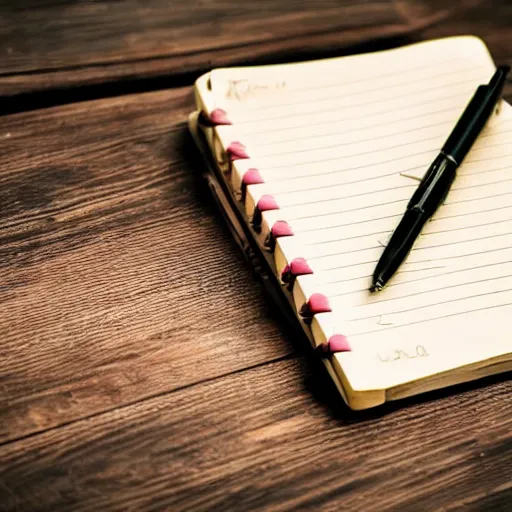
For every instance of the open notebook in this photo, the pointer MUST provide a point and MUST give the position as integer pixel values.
(314, 163)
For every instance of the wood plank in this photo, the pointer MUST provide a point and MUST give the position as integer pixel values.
(258, 440)
(119, 280)
(63, 44)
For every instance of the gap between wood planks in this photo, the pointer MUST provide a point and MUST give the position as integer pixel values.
(287, 357)
(330, 395)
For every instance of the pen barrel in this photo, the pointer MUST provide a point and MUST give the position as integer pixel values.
(470, 124)
(475, 116)
(434, 186)
(429, 195)
(437, 181)
(399, 245)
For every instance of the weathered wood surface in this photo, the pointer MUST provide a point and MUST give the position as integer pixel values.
(257, 440)
(118, 280)
(141, 367)
(62, 44)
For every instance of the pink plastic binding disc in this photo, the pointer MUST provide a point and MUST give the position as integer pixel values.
(317, 303)
(237, 151)
(219, 117)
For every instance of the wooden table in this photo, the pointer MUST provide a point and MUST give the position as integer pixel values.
(141, 367)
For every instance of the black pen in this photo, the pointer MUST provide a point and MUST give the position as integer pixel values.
(437, 181)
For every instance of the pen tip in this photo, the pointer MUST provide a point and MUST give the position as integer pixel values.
(377, 286)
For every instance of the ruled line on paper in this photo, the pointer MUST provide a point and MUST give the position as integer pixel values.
(335, 179)
(290, 170)
(425, 306)
(427, 291)
(384, 233)
(316, 228)
(387, 203)
(424, 80)
(357, 141)
(349, 211)
(398, 216)
(378, 191)
(332, 117)
(390, 327)
(408, 275)
(404, 186)
(381, 150)
(276, 142)
(350, 155)
(343, 108)
(374, 260)
(268, 130)
(408, 281)
(414, 250)
(308, 163)
(409, 69)
(365, 194)
(448, 203)
(438, 124)
(285, 197)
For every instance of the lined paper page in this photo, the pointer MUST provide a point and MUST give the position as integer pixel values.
(341, 144)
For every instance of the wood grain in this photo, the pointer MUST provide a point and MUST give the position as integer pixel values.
(258, 441)
(63, 44)
(118, 278)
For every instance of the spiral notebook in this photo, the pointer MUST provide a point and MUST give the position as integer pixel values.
(313, 164)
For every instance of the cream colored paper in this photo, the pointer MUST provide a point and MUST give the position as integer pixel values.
(341, 144)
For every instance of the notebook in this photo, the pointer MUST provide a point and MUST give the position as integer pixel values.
(313, 164)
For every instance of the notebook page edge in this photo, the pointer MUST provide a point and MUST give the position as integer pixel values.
(341, 386)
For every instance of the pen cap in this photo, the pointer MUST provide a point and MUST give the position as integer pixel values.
(475, 116)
